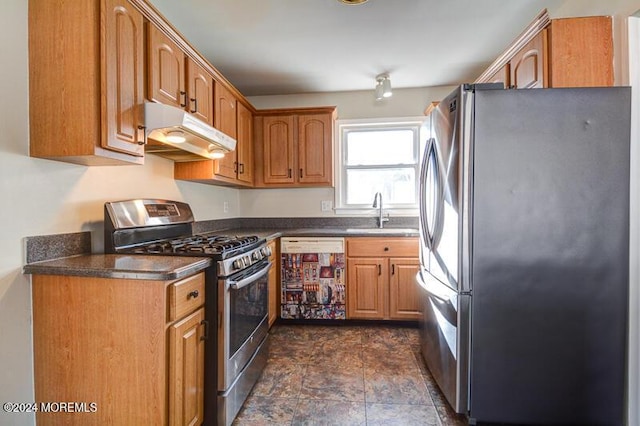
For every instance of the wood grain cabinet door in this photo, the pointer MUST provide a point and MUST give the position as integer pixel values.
(245, 144)
(366, 287)
(122, 78)
(315, 148)
(278, 149)
(186, 371)
(528, 65)
(403, 291)
(166, 70)
(199, 92)
(225, 111)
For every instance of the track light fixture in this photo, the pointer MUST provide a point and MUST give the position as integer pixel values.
(383, 87)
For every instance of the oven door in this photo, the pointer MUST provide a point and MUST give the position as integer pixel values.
(242, 319)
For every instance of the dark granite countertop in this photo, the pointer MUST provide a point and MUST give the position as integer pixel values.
(138, 267)
(271, 234)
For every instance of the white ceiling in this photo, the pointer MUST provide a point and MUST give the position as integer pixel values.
(267, 47)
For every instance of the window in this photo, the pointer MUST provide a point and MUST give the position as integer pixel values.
(378, 156)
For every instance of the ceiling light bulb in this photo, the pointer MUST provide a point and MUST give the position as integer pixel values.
(383, 86)
(176, 136)
(379, 94)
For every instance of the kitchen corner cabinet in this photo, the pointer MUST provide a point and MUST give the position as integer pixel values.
(133, 347)
(568, 52)
(381, 278)
(274, 291)
(294, 148)
(86, 82)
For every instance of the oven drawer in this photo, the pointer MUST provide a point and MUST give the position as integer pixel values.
(185, 296)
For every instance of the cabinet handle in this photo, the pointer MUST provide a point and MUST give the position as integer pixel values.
(300, 173)
(195, 105)
(235, 167)
(193, 294)
(183, 102)
(144, 135)
(205, 335)
(393, 269)
(289, 173)
(241, 168)
(379, 269)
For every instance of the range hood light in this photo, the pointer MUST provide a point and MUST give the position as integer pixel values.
(215, 152)
(176, 136)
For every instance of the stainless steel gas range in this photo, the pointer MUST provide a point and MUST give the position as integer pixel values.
(236, 289)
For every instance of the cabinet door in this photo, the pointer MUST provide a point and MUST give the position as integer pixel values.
(403, 290)
(226, 121)
(278, 149)
(273, 283)
(245, 144)
(122, 78)
(186, 370)
(165, 75)
(199, 92)
(315, 149)
(501, 76)
(527, 66)
(366, 287)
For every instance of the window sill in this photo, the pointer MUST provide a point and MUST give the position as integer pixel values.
(351, 211)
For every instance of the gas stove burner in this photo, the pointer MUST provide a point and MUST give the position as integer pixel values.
(221, 245)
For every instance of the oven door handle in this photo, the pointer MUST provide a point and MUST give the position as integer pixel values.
(237, 285)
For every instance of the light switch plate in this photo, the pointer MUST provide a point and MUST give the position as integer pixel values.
(326, 205)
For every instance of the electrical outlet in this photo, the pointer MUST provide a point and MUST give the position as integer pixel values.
(326, 205)
(225, 207)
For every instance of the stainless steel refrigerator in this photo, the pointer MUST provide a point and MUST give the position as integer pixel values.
(524, 224)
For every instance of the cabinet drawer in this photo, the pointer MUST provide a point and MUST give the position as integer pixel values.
(185, 296)
(375, 247)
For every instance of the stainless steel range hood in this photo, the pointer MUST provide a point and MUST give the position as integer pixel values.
(174, 133)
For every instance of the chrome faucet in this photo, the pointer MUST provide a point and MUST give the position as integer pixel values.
(381, 220)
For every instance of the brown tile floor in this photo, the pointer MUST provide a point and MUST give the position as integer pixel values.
(345, 375)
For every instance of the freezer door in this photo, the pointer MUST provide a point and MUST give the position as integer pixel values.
(444, 337)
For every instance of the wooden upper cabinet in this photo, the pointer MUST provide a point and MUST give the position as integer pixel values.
(278, 146)
(244, 149)
(581, 52)
(503, 75)
(226, 121)
(200, 91)
(123, 72)
(569, 52)
(315, 148)
(166, 69)
(294, 147)
(86, 82)
(528, 65)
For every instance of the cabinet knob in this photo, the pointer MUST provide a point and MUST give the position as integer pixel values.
(193, 294)
(386, 249)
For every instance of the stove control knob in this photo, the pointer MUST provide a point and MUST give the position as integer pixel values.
(238, 264)
(256, 255)
(266, 251)
(247, 260)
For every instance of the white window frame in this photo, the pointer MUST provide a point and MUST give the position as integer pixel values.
(343, 127)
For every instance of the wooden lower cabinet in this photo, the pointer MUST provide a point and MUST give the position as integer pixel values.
(274, 292)
(381, 278)
(131, 349)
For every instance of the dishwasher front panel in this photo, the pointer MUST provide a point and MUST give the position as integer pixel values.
(313, 278)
